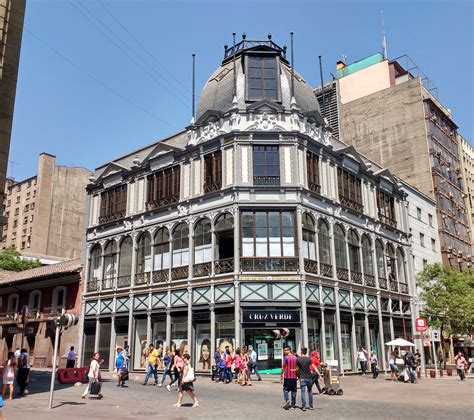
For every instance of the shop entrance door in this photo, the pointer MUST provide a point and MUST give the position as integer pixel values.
(269, 349)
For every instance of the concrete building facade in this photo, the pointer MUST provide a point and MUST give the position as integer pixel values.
(44, 292)
(46, 212)
(466, 153)
(12, 14)
(388, 111)
(252, 219)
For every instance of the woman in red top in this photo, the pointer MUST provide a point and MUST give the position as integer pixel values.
(315, 369)
(228, 366)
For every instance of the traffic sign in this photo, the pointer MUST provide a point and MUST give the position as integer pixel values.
(421, 325)
(436, 336)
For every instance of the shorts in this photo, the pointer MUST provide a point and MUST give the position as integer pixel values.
(290, 384)
(188, 386)
(393, 368)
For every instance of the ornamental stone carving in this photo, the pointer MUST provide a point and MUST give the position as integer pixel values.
(127, 224)
(183, 210)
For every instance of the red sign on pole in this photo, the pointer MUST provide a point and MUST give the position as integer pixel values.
(421, 325)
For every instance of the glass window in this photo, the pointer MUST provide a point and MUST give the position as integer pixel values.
(312, 166)
(144, 253)
(386, 207)
(401, 266)
(380, 260)
(34, 303)
(110, 263)
(163, 187)
(422, 239)
(418, 213)
(349, 189)
(203, 347)
(367, 256)
(262, 78)
(125, 263)
(391, 263)
(268, 234)
(213, 171)
(309, 241)
(266, 165)
(323, 242)
(95, 261)
(181, 245)
(340, 247)
(354, 255)
(140, 344)
(113, 203)
(202, 241)
(162, 249)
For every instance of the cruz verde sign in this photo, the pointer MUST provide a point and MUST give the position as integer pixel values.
(281, 317)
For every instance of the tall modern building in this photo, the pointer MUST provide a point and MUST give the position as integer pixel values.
(12, 14)
(46, 212)
(466, 154)
(388, 110)
(252, 220)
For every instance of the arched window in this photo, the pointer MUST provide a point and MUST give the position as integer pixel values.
(162, 249)
(181, 245)
(392, 274)
(401, 266)
(13, 300)
(59, 297)
(224, 231)
(380, 264)
(95, 268)
(202, 241)
(144, 253)
(340, 247)
(125, 262)
(34, 301)
(110, 264)
(324, 243)
(354, 251)
(309, 239)
(367, 256)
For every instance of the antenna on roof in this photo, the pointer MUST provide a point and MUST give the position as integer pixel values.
(194, 88)
(322, 85)
(292, 68)
(233, 59)
(384, 40)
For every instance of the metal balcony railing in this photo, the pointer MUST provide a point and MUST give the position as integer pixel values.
(142, 278)
(179, 273)
(225, 265)
(269, 264)
(160, 276)
(326, 269)
(93, 285)
(383, 283)
(311, 266)
(202, 269)
(393, 286)
(124, 281)
(342, 273)
(266, 180)
(356, 277)
(369, 280)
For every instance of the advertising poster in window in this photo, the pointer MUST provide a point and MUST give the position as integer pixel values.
(181, 345)
(262, 351)
(222, 343)
(204, 354)
(277, 350)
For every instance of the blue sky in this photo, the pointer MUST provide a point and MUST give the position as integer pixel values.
(88, 92)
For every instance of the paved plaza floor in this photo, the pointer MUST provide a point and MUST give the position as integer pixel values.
(364, 398)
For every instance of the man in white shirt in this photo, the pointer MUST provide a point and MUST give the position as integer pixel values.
(17, 352)
(23, 371)
(71, 358)
(362, 356)
(253, 360)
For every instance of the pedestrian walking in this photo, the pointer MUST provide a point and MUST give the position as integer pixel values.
(253, 365)
(373, 365)
(9, 371)
(417, 364)
(187, 381)
(71, 358)
(216, 360)
(237, 364)
(167, 362)
(228, 365)
(460, 361)
(152, 364)
(128, 355)
(121, 365)
(393, 366)
(410, 366)
(315, 369)
(362, 357)
(17, 352)
(94, 385)
(22, 376)
(244, 367)
(305, 375)
(289, 377)
(177, 367)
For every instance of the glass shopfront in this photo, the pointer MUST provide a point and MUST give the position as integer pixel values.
(140, 344)
(314, 337)
(330, 343)
(203, 347)
(346, 346)
(158, 332)
(89, 340)
(179, 335)
(225, 332)
(104, 342)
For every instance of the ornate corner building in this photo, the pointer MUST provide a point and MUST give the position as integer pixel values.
(253, 218)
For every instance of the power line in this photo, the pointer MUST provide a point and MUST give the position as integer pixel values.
(98, 81)
(186, 90)
(101, 24)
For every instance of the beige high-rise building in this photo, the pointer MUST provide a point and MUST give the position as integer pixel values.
(388, 110)
(12, 13)
(466, 153)
(46, 212)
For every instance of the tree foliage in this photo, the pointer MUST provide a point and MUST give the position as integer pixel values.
(10, 259)
(447, 298)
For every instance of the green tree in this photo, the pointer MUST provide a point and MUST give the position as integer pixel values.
(447, 298)
(10, 259)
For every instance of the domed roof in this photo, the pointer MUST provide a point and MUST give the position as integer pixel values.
(218, 93)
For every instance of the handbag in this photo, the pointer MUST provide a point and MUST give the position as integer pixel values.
(189, 376)
(95, 388)
(125, 375)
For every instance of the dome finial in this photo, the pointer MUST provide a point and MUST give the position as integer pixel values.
(244, 35)
(269, 36)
